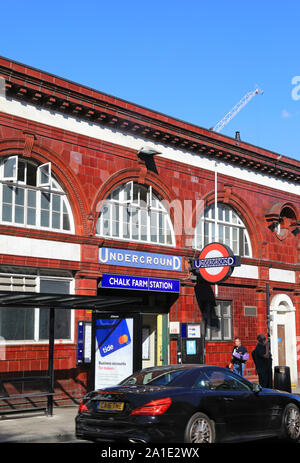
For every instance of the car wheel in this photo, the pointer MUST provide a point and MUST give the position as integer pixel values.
(291, 423)
(199, 430)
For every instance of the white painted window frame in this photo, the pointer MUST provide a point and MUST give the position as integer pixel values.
(208, 218)
(52, 188)
(139, 207)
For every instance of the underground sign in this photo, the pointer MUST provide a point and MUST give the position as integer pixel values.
(216, 262)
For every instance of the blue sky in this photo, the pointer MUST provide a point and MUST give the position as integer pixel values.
(191, 59)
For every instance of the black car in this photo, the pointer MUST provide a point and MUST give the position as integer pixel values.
(187, 403)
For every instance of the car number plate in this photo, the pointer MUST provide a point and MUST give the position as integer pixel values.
(117, 406)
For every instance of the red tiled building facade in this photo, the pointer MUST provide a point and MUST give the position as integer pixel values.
(65, 150)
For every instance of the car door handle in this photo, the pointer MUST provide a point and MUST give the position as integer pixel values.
(228, 399)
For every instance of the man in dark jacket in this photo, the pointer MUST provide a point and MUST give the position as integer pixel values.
(263, 361)
(239, 357)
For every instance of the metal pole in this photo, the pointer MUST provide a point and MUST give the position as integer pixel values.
(216, 215)
(51, 360)
(203, 334)
(268, 314)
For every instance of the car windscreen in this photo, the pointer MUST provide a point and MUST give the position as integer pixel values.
(155, 378)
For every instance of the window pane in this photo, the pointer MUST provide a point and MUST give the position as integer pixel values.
(115, 219)
(19, 195)
(235, 246)
(31, 216)
(220, 213)
(31, 200)
(225, 309)
(126, 219)
(219, 323)
(227, 214)
(21, 171)
(216, 332)
(10, 168)
(44, 218)
(19, 214)
(66, 222)
(247, 249)
(17, 324)
(136, 190)
(45, 201)
(62, 326)
(227, 328)
(56, 203)
(31, 174)
(127, 192)
(169, 235)
(6, 213)
(44, 174)
(161, 231)
(234, 217)
(227, 236)
(221, 233)
(106, 220)
(153, 226)
(206, 233)
(7, 194)
(212, 229)
(55, 220)
(135, 225)
(143, 197)
(144, 216)
(115, 195)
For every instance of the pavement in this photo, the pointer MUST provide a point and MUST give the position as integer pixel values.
(37, 427)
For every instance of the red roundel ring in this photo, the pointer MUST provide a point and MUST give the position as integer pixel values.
(215, 274)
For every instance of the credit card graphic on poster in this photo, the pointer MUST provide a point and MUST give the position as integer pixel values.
(112, 335)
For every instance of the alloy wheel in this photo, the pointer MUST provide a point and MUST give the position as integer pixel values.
(292, 423)
(201, 431)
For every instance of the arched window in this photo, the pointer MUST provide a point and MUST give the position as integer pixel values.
(134, 212)
(231, 230)
(31, 197)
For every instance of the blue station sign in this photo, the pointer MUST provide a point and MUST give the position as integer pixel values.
(140, 283)
(149, 260)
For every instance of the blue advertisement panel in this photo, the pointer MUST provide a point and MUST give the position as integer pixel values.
(128, 258)
(114, 351)
(141, 283)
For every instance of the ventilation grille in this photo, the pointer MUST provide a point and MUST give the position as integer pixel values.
(17, 283)
(250, 311)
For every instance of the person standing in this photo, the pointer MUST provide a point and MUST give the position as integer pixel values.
(239, 357)
(263, 361)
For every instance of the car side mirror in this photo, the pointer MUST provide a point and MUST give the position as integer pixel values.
(256, 388)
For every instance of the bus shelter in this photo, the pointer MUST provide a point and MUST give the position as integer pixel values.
(53, 302)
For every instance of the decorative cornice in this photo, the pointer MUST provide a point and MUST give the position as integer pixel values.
(47, 91)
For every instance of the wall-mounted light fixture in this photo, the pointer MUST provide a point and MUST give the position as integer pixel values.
(148, 151)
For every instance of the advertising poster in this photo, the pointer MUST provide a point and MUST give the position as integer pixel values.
(114, 351)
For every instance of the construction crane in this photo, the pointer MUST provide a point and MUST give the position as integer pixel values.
(236, 109)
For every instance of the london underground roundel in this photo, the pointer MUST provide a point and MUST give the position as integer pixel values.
(216, 262)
